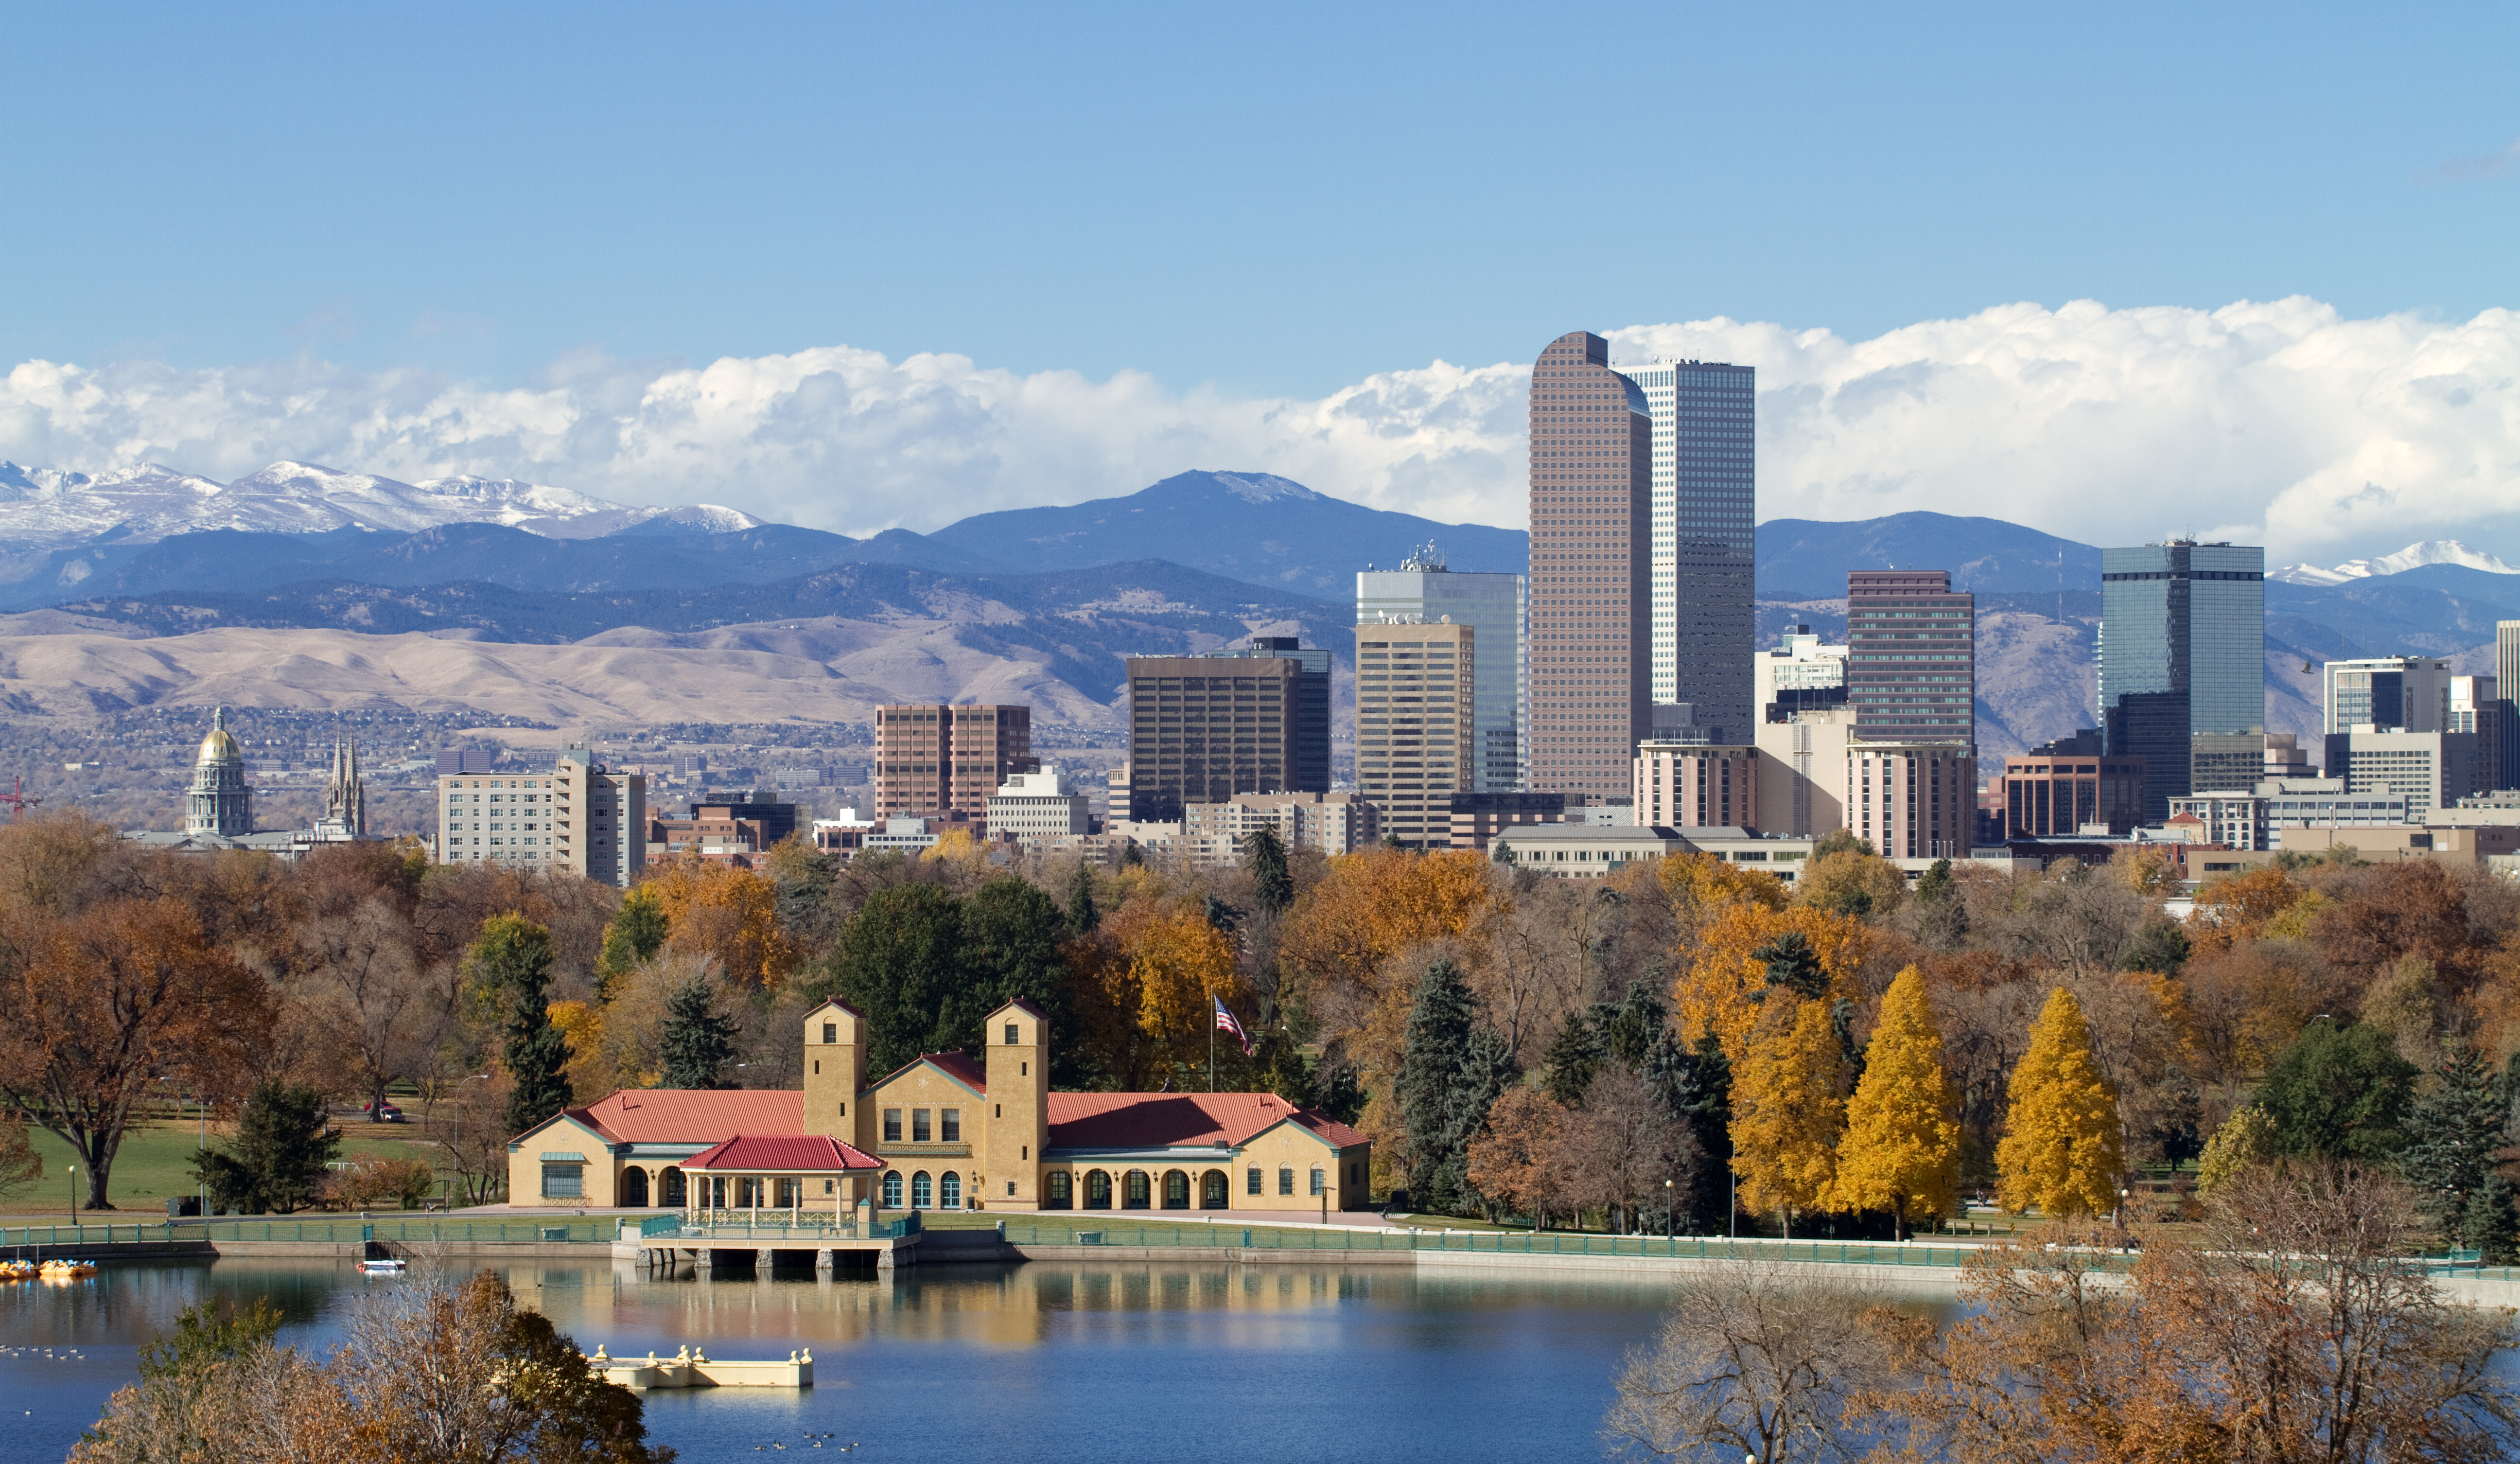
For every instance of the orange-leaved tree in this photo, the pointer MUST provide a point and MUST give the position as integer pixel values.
(1720, 991)
(1788, 1106)
(1902, 1148)
(1337, 946)
(716, 909)
(2062, 1148)
(1179, 963)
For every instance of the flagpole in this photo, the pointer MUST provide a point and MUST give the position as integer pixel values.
(1213, 1007)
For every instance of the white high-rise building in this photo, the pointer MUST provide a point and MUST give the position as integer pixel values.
(1422, 591)
(1704, 504)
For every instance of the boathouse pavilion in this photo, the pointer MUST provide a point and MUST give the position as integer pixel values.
(944, 1131)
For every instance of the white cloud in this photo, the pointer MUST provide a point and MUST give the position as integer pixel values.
(2277, 423)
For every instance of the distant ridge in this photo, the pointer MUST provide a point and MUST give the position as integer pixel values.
(2413, 557)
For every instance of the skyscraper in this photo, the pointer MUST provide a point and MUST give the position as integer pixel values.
(1415, 710)
(1910, 656)
(937, 758)
(1423, 591)
(1704, 498)
(2182, 665)
(1592, 490)
(1203, 728)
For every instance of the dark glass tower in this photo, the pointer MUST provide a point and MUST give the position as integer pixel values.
(1704, 498)
(2182, 665)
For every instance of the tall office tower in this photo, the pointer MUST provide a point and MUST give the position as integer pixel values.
(2506, 658)
(2182, 665)
(2476, 705)
(2392, 693)
(1423, 591)
(1704, 492)
(600, 819)
(1913, 800)
(933, 758)
(1592, 498)
(1415, 715)
(1203, 728)
(1910, 656)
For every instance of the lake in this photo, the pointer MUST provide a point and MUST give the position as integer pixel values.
(1109, 1363)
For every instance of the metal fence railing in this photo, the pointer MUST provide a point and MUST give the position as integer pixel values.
(338, 1230)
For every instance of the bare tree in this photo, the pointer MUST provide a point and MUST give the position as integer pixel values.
(1757, 1359)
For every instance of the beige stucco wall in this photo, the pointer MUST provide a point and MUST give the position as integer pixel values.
(566, 1135)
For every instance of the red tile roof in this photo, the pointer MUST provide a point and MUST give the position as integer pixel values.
(772, 1152)
(691, 1115)
(1158, 1120)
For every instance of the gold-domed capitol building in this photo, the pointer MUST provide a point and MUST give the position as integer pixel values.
(219, 802)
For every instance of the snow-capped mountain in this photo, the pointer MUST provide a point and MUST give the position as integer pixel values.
(47, 509)
(2412, 557)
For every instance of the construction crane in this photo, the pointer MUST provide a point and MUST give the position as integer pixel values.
(19, 799)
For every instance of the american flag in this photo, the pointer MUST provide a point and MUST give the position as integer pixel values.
(1225, 1023)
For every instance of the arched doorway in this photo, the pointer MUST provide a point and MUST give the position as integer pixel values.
(893, 1189)
(1211, 1190)
(1176, 1190)
(1137, 1192)
(672, 1183)
(634, 1188)
(923, 1191)
(1058, 1192)
(949, 1191)
(1098, 1190)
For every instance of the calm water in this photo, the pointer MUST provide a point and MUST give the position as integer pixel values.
(1111, 1362)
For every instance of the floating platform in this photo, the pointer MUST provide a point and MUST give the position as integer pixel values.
(691, 1368)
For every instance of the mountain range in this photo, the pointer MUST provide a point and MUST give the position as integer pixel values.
(1036, 598)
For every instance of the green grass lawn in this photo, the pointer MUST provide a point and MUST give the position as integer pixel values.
(156, 1161)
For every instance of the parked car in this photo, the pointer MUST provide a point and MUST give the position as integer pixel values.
(384, 1112)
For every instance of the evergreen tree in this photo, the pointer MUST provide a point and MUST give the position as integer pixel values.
(1273, 888)
(2061, 1148)
(1793, 965)
(697, 1043)
(1695, 1086)
(279, 1159)
(1432, 1048)
(1083, 915)
(1224, 917)
(2453, 1133)
(2491, 1223)
(1011, 932)
(1487, 1069)
(899, 962)
(1936, 882)
(1902, 1149)
(2339, 1092)
(633, 936)
(514, 957)
(1628, 1031)
(1567, 1068)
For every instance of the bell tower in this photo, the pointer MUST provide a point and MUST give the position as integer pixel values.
(1018, 1039)
(835, 1072)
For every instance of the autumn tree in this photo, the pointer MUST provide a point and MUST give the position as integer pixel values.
(1518, 1163)
(1181, 964)
(719, 909)
(631, 939)
(1758, 1359)
(513, 961)
(2060, 1152)
(2246, 1140)
(104, 1003)
(1900, 1150)
(1788, 1106)
(20, 1164)
(1745, 947)
(1849, 882)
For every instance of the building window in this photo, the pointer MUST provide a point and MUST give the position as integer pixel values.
(949, 1191)
(1285, 1179)
(1013, 1035)
(564, 1181)
(892, 1191)
(1136, 1192)
(892, 1125)
(831, 1033)
(923, 1192)
(952, 1125)
(1251, 1181)
(918, 1125)
(1317, 1186)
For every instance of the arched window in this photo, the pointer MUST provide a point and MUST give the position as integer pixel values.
(892, 1190)
(1211, 1195)
(1135, 1191)
(1176, 1190)
(1285, 1179)
(949, 1191)
(923, 1191)
(675, 1192)
(1319, 1187)
(1098, 1190)
(1059, 1194)
(634, 1188)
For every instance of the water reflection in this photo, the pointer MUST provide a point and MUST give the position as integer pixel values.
(1060, 1360)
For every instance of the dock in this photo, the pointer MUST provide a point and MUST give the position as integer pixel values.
(695, 1368)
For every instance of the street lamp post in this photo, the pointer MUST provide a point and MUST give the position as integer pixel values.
(1667, 1231)
(74, 1192)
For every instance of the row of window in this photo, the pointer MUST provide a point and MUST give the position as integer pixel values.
(949, 1124)
(1135, 1188)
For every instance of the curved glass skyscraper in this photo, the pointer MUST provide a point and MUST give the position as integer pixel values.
(2182, 665)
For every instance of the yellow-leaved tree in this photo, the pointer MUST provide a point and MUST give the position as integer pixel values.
(1179, 964)
(1788, 1106)
(717, 909)
(1720, 991)
(2062, 1148)
(1902, 1149)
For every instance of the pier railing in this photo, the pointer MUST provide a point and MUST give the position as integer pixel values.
(325, 1229)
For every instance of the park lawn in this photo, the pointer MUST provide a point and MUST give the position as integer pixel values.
(156, 1161)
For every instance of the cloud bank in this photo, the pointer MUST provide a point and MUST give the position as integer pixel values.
(2277, 423)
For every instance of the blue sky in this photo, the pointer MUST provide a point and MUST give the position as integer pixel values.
(1272, 200)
